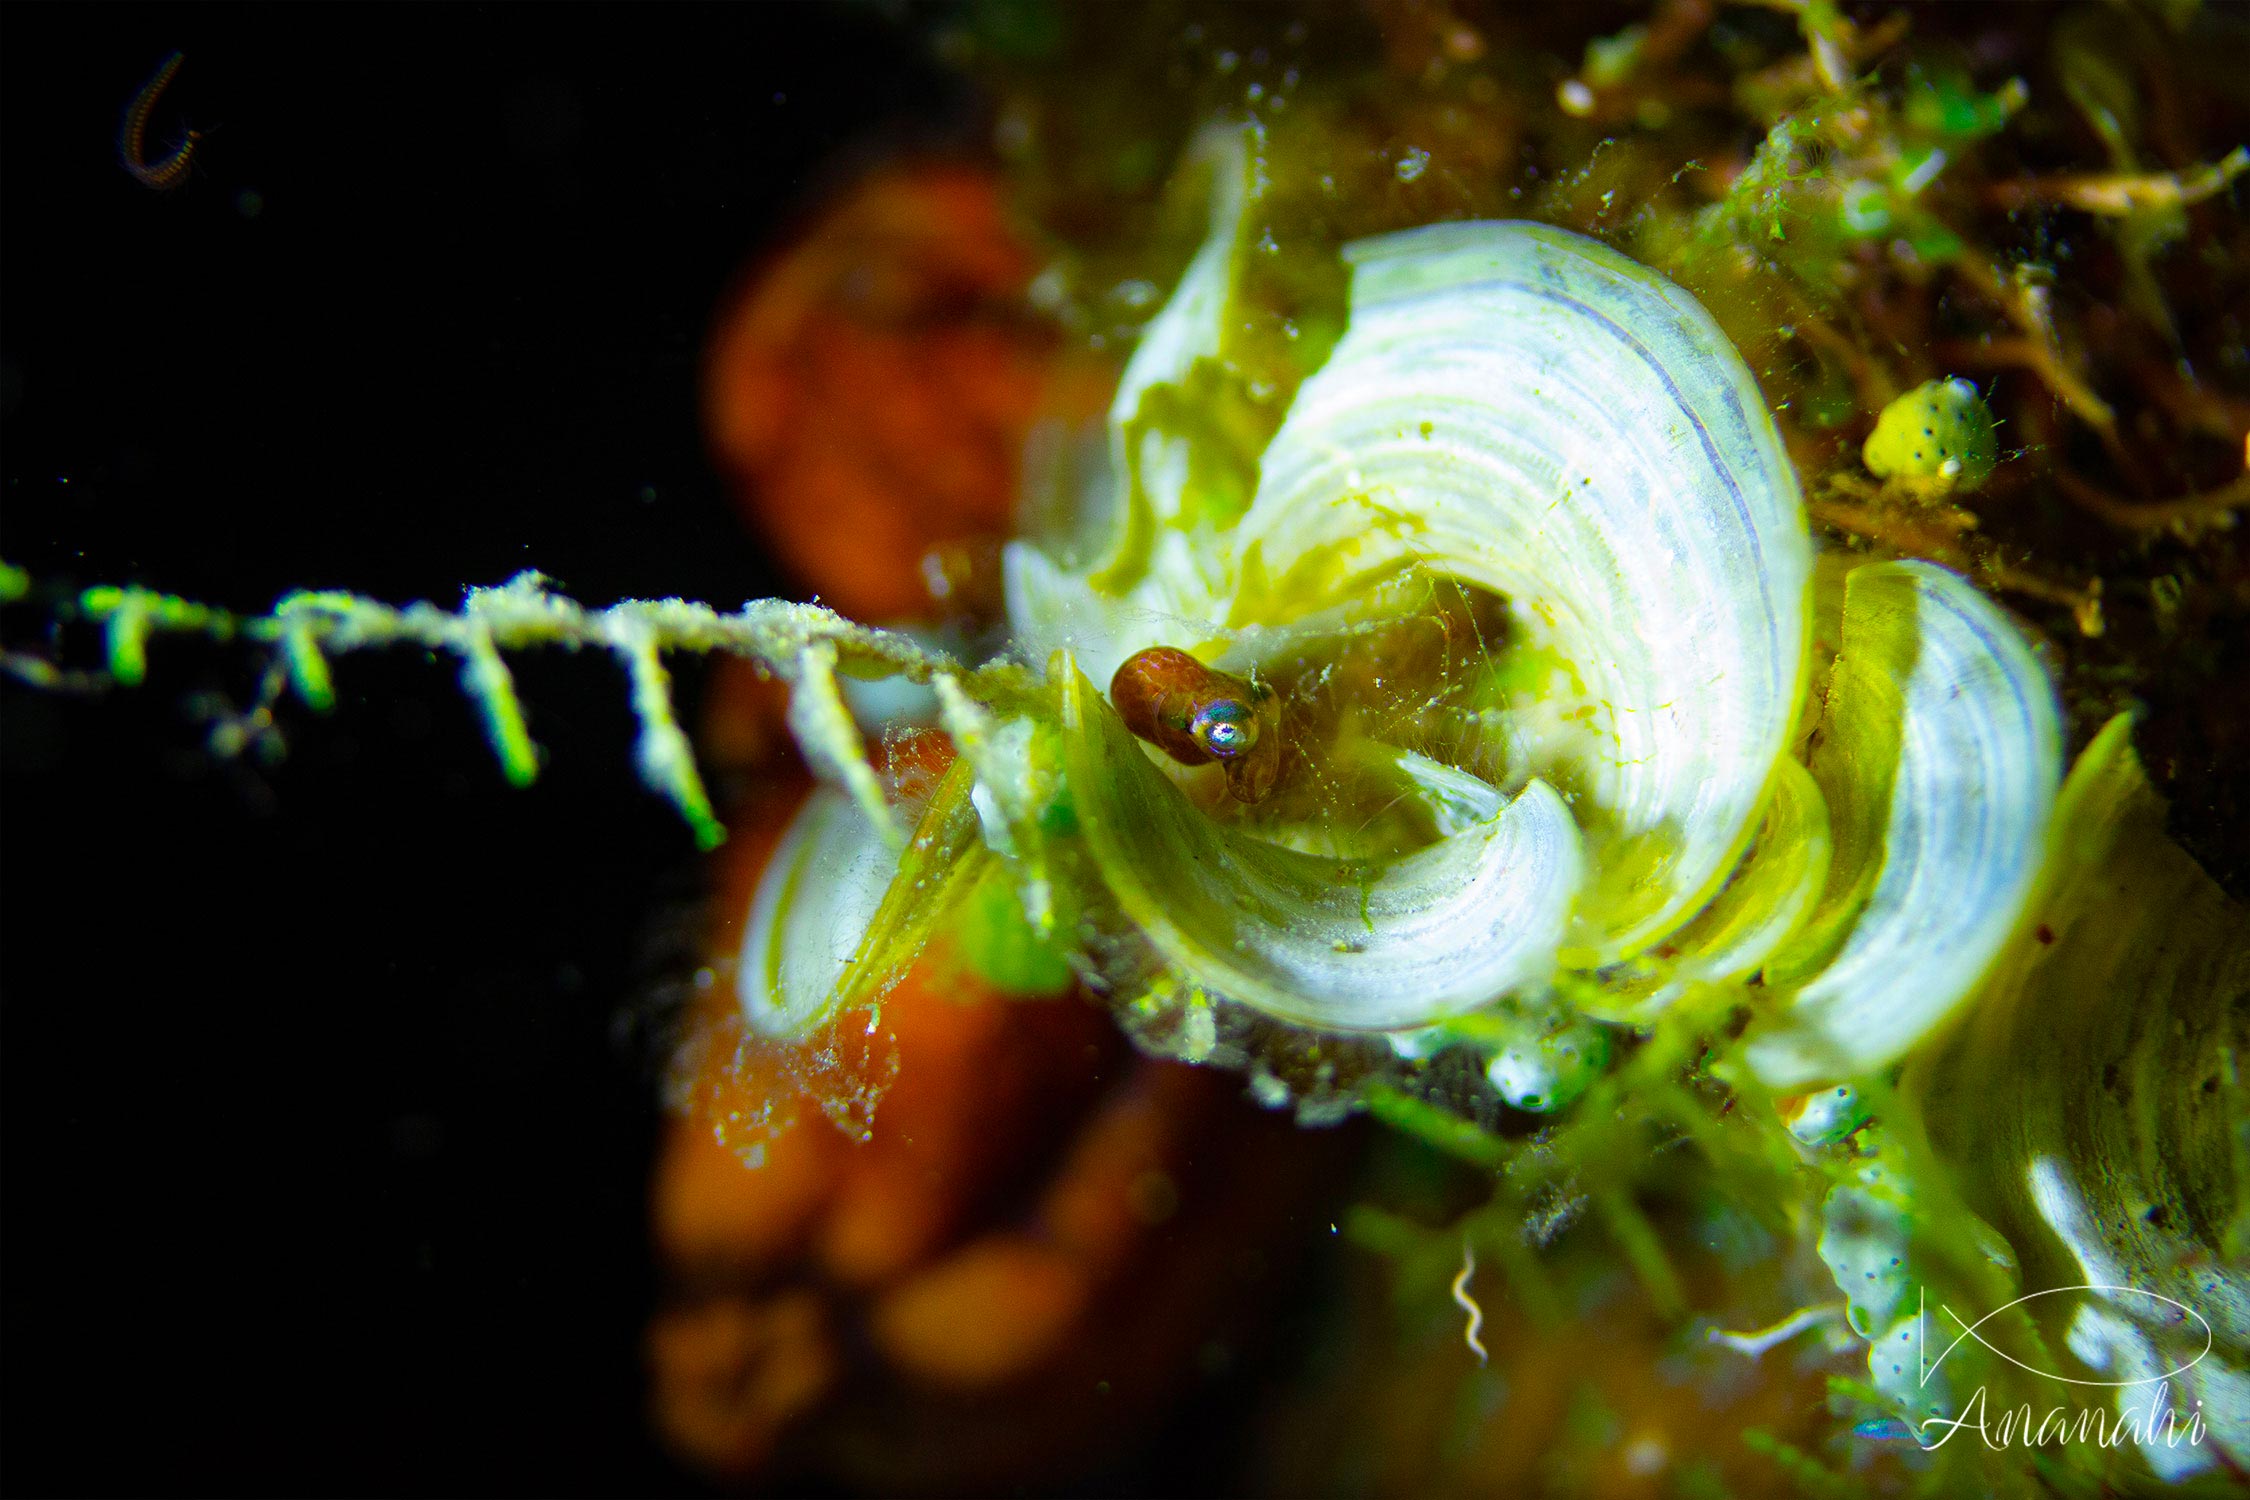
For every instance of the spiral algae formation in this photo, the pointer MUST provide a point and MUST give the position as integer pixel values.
(1583, 743)
(1472, 734)
(1524, 415)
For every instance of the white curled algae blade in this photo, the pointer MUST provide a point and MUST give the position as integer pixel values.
(2093, 1097)
(1333, 943)
(1151, 585)
(1774, 891)
(1526, 410)
(820, 891)
(1939, 756)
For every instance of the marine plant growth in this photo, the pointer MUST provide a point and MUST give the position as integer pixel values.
(1429, 697)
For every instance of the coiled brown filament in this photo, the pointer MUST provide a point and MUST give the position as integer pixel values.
(166, 172)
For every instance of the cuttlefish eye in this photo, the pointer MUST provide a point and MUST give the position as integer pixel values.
(1226, 728)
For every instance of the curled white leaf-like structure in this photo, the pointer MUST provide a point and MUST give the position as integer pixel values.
(1528, 424)
(1770, 897)
(1526, 410)
(1337, 944)
(812, 911)
(1150, 583)
(1052, 608)
(2094, 1098)
(1940, 756)
(1522, 582)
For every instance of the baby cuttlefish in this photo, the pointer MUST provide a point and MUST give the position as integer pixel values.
(1197, 716)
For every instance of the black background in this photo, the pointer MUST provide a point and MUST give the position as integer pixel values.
(327, 1087)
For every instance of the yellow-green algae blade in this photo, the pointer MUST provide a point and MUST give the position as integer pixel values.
(1349, 945)
(1774, 890)
(841, 910)
(1152, 464)
(2094, 1099)
(813, 905)
(1528, 411)
(1939, 758)
(1154, 584)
